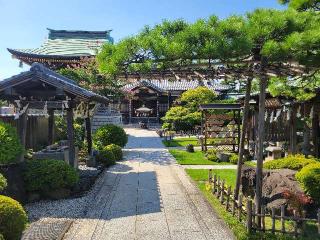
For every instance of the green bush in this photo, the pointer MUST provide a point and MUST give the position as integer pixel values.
(294, 162)
(47, 175)
(234, 158)
(309, 178)
(211, 155)
(10, 146)
(110, 134)
(116, 150)
(1, 237)
(189, 148)
(3, 182)
(13, 218)
(106, 157)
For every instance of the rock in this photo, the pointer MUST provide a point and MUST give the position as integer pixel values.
(275, 183)
(91, 161)
(223, 157)
(59, 194)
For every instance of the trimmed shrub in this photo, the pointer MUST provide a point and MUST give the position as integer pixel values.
(233, 158)
(3, 182)
(309, 178)
(10, 146)
(110, 134)
(211, 155)
(48, 175)
(13, 218)
(294, 162)
(116, 150)
(106, 157)
(189, 148)
(1, 237)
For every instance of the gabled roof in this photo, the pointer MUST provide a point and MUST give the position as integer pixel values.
(177, 85)
(46, 76)
(63, 44)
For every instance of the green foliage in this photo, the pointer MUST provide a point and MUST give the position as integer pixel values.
(302, 5)
(190, 148)
(181, 119)
(3, 182)
(1, 237)
(61, 131)
(106, 157)
(47, 175)
(192, 98)
(211, 155)
(116, 150)
(294, 162)
(309, 178)
(13, 218)
(110, 134)
(10, 146)
(234, 158)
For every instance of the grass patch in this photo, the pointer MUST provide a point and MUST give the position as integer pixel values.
(181, 142)
(238, 228)
(250, 163)
(196, 158)
(229, 175)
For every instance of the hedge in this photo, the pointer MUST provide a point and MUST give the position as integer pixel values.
(309, 178)
(294, 162)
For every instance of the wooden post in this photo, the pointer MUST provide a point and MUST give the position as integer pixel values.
(283, 225)
(210, 175)
(214, 183)
(263, 223)
(318, 223)
(130, 111)
(249, 215)
(70, 131)
(228, 198)
(293, 130)
(245, 121)
(304, 213)
(202, 141)
(240, 207)
(51, 127)
(260, 137)
(23, 123)
(234, 202)
(205, 131)
(222, 192)
(158, 119)
(273, 219)
(295, 219)
(89, 134)
(218, 185)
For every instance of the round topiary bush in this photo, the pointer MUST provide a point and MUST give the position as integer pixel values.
(10, 146)
(47, 175)
(13, 218)
(233, 158)
(293, 162)
(211, 155)
(116, 150)
(189, 148)
(3, 182)
(110, 134)
(309, 178)
(106, 157)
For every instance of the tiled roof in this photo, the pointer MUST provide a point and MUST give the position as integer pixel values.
(40, 73)
(178, 85)
(68, 43)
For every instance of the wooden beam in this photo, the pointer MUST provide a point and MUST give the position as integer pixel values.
(70, 132)
(89, 134)
(51, 127)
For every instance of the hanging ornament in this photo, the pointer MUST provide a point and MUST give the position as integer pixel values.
(21, 111)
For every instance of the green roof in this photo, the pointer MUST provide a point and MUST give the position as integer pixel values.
(68, 43)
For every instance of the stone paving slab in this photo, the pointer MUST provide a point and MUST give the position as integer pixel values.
(148, 196)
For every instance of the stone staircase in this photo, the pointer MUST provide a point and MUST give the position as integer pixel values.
(105, 115)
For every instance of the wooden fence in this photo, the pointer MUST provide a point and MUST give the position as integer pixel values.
(245, 210)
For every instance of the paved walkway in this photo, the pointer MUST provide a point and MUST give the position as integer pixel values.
(148, 196)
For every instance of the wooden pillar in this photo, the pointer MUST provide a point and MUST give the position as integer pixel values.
(260, 137)
(201, 134)
(89, 134)
(293, 130)
(315, 132)
(158, 108)
(23, 123)
(130, 110)
(51, 127)
(70, 131)
(169, 100)
(245, 121)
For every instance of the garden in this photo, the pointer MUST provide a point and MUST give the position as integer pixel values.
(45, 180)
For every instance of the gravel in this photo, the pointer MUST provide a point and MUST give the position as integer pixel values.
(66, 208)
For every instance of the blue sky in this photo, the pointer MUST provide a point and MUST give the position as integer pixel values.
(23, 23)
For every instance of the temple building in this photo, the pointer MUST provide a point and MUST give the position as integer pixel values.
(159, 96)
(64, 48)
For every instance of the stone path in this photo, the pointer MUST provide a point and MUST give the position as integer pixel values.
(148, 196)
